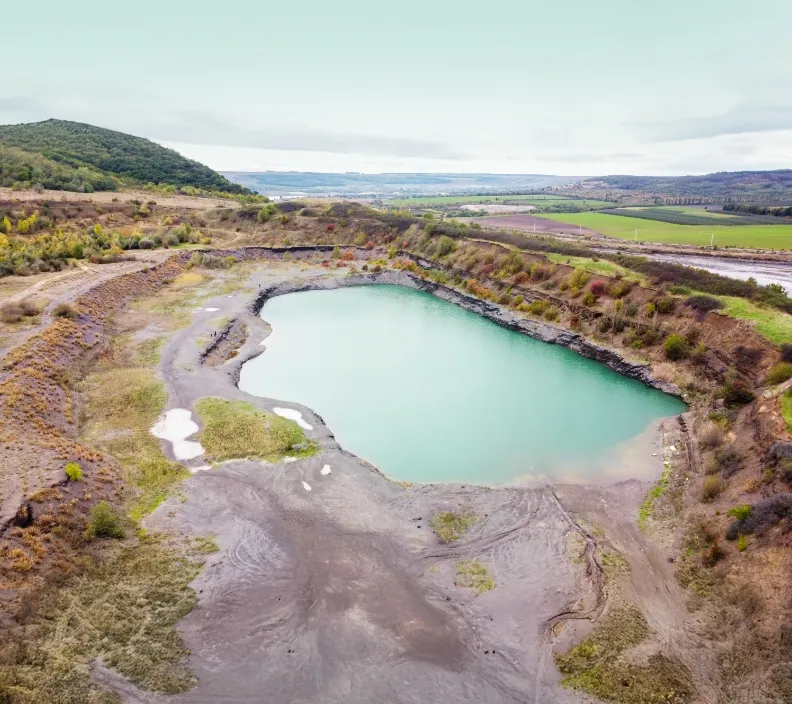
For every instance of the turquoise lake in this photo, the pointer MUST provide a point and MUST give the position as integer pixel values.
(429, 392)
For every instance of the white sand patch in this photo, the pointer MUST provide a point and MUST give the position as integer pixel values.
(202, 468)
(291, 414)
(176, 425)
(211, 310)
(325, 470)
(306, 486)
(289, 459)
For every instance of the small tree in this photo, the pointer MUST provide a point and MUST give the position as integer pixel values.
(73, 471)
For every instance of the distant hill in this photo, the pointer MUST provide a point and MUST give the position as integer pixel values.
(377, 185)
(759, 186)
(59, 154)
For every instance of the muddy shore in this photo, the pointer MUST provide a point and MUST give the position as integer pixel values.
(342, 593)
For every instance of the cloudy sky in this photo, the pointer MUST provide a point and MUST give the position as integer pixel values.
(573, 88)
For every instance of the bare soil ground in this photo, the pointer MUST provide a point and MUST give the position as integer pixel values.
(531, 223)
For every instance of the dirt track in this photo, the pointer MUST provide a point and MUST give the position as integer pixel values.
(343, 593)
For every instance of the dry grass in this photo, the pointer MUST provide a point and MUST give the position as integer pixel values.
(473, 575)
(598, 665)
(123, 400)
(123, 611)
(234, 429)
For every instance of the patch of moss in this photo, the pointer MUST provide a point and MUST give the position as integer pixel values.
(235, 429)
(598, 666)
(449, 526)
(654, 494)
(473, 575)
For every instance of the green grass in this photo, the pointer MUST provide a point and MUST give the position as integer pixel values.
(600, 267)
(771, 323)
(471, 574)
(235, 429)
(597, 666)
(759, 236)
(122, 404)
(654, 494)
(449, 526)
(786, 410)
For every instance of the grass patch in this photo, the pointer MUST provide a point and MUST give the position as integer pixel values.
(122, 404)
(149, 351)
(473, 575)
(235, 429)
(597, 666)
(786, 410)
(772, 324)
(654, 494)
(600, 267)
(123, 611)
(450, 526)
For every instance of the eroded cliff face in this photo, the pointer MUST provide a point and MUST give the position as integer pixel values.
(491, 311)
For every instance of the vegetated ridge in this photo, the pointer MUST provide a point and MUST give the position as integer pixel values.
(65, 155)
(738, 185)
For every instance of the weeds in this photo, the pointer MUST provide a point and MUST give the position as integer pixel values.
(473, 575)
(449, 526)
(597, 666)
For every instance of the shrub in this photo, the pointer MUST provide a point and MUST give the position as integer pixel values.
(711, 436)
(703, 304)
(779, 373)
(445, 245)
(73, 471)
(589, 299)
(13, 312)
(675, 347)
(713, 486)
(699, 353)
(742, 543)
(665, 304)
(763, 516)
(786, 352)
(740, 512)
(631, 310)
(597, 288)
(146, 243)
(728, 461)
(737, 393)
(105, 522)
(64, 310)
(649, 310)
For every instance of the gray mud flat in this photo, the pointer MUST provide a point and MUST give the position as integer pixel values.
(342, 593)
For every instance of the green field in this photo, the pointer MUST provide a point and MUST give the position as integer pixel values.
(770, 323)
(758, 236)
(505, 199)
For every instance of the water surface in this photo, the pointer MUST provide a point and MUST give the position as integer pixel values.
(429, 392)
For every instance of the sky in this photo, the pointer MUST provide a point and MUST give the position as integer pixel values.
(574, 88)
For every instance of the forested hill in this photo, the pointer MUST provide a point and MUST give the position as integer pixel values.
(742, 185)
(61, 154)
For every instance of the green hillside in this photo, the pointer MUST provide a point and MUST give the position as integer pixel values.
(67, 153)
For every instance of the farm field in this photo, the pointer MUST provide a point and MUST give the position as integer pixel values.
(494, 198)
(749, 236)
